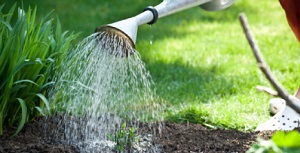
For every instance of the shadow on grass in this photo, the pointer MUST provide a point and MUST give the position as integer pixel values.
(178, 83)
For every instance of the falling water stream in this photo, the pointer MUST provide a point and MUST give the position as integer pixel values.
(99, 89)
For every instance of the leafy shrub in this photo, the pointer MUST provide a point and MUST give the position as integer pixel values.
(28, 54)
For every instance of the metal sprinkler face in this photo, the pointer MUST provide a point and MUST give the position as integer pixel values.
(123, 38)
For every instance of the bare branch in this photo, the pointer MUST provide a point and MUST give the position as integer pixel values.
(290, 100)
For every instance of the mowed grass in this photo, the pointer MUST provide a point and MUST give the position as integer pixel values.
(201, 63)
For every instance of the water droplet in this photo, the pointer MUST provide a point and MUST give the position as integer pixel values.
(151, 39)
(100, 88)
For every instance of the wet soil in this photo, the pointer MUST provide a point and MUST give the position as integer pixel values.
(174, 138)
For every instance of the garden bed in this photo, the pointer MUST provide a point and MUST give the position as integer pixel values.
(174, 138)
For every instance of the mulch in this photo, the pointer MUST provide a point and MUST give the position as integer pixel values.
(174, 138)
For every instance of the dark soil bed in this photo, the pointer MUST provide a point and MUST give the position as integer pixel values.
(175, 138)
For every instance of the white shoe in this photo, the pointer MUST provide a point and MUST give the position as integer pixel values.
(285, 119)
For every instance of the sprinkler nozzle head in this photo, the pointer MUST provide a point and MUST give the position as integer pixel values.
(112, 32)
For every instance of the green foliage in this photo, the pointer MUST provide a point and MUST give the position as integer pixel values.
(124, 137)
(28, 54)
(192, 115)
(288, 142)
(281, 142)
(263, 146)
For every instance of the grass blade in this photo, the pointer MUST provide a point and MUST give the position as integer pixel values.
(24, 115)
(45, 101)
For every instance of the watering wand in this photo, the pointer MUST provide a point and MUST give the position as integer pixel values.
(127, 29)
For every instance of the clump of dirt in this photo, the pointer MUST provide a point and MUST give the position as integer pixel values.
(174, 138)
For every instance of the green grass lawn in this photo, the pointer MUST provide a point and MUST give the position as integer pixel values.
(200, 61)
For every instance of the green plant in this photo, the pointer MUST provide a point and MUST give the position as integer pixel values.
(124, 137)
(263, 146)
(287, 142)
(192, 115)
(28, 54)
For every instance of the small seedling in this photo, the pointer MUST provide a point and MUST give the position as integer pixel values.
(124, 137)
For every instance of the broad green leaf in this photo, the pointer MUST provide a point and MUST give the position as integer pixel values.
(6, 52)
(17, 88)
(58, 29)
(24, 81)
(6, 24)
(45, 86)
(24, 115)
(45, 100)
(287, 140)
(40, 110)
(10, 13)
(14, 72)
(264, 146)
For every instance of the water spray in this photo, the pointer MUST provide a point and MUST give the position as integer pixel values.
(127, 29)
